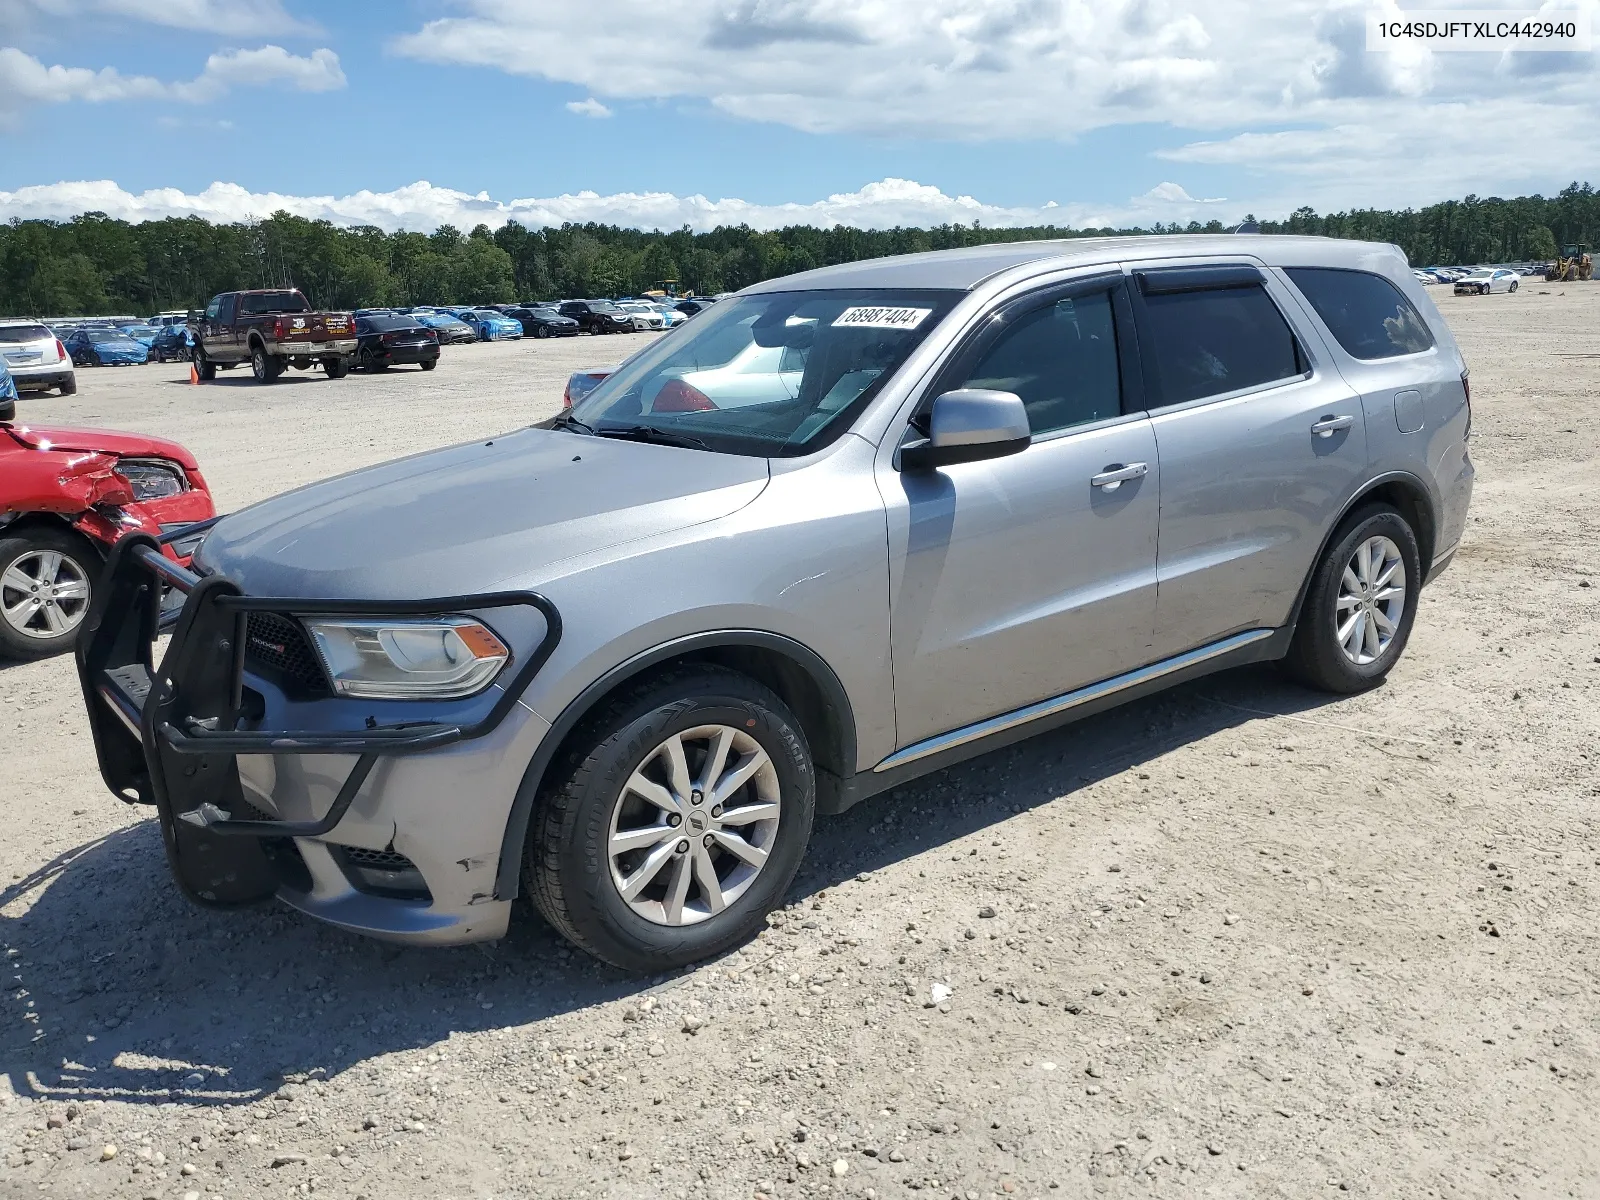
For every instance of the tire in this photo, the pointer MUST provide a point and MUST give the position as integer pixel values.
(1513, 286)
(204, 367)
(569, 870)
(541, 331)
(1317, 657)
(28, 553)
(429, 364)
(69, 386)
(8, 410)
(368, 361)
(265, 367)
(337, 368)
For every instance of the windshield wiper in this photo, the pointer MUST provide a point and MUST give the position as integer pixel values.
(653, 434)
(567, 421)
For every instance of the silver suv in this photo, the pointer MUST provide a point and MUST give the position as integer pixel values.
(842, 529)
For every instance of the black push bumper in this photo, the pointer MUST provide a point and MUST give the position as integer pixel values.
(168, 735)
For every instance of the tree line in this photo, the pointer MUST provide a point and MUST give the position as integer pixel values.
(96, 264)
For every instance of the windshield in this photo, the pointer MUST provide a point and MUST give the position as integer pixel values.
(253, 304)
(140, 330)
(1480, 275)
(774, 374)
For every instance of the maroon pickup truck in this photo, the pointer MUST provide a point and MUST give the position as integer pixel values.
(271, 329)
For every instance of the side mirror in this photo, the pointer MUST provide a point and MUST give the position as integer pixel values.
(968, 425)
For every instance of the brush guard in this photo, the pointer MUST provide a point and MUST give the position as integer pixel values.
(169, 736)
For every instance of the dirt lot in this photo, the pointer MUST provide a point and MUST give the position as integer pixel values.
(1238, 939)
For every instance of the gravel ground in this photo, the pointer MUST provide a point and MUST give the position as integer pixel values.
(1238, 938)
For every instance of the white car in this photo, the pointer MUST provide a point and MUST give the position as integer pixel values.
(1485, 280)
(645, 316)
(1425, 277)
(36, 357)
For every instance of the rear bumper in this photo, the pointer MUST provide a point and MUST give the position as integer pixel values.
(409, 354)
(333, 346)
(261, 794)
(38, 379)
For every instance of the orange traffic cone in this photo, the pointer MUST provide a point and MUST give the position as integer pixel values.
(194, 374)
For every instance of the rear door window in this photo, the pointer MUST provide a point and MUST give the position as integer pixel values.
(1215, 340)
(1366, 313)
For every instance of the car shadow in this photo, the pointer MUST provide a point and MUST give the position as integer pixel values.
(120, 989)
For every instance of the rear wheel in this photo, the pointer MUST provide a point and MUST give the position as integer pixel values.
(337, 368)
(265, 367)
(46, 577)
(1513, 285)
(429, 364)
(69, 386)
(675, 823)
(1361, 604)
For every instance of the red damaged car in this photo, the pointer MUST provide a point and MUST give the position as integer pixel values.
(65, 496)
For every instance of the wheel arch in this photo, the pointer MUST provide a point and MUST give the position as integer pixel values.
(800, 677)
(1400, 490)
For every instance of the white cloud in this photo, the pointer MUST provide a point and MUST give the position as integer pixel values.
(588, 108)
(1033, 69)
(230, 18)
(422, 206)
(25, 81)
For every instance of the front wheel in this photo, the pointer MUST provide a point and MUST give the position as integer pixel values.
(676, 821)
(541, 331)
(46, 576)
(1360, 606)
(203, 366)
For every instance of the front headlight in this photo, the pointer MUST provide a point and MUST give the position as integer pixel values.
(151, 480)
(438, 658)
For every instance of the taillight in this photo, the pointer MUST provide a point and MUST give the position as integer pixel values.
(61, 351)
(566, 395)
(1466, 390)
(388, 337)
(280, 327)
(678, 396)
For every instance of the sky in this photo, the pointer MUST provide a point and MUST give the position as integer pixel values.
(661, 113)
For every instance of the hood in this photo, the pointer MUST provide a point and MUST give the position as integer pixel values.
(100, 441)
(487, 516)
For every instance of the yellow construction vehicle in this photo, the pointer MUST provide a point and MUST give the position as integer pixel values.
(1571, 265)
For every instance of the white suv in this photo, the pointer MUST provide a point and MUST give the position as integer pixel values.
(36, 357)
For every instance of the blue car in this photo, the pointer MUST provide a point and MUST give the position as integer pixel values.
(8, 392)
(173, 342)
(491, 326)
(104, 346)
(450, 329)
(145, 335)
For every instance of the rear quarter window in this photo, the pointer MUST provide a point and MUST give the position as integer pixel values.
(1366, 313)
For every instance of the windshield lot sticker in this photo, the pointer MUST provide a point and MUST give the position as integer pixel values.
(881, 318)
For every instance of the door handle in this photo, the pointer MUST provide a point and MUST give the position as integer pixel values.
(1116, 475)
(1328, 425)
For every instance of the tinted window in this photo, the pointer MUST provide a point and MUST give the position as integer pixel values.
(1205, 343)
(213, 308)
(12, 334)
(1061, 359)
(1365, 312)
(256, 303)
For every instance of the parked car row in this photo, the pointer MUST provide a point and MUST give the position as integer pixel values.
(1507, 273)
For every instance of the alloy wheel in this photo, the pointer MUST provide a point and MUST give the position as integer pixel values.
(694, 825)
(44, 594)
(1372, 599)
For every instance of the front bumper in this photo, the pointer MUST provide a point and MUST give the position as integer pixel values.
(358, 813)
